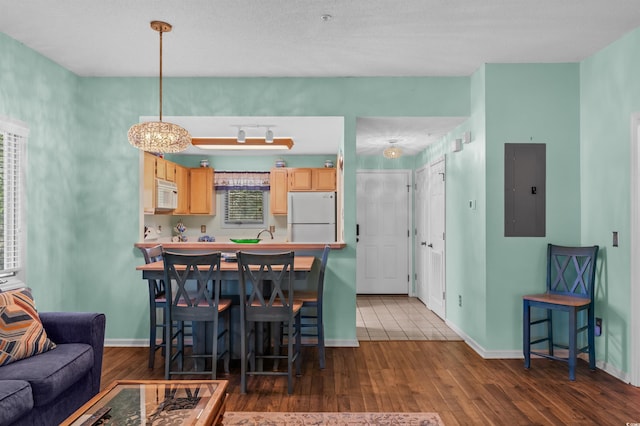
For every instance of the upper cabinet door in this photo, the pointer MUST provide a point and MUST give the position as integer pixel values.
(149, 184)
(182, 182)
(324, 179)
(201, 191)
(300, 179)
(278, 191)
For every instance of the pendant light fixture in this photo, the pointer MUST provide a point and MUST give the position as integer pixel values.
(392, 151)
(159, 136)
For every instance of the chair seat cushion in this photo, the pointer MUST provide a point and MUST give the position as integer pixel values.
(223, 304)
(297, 305)
(558, 299)
(52, 372)
(15, 400)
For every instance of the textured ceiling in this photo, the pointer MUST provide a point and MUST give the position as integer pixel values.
(290, 38)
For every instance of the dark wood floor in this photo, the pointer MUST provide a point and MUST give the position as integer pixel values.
(429, 376)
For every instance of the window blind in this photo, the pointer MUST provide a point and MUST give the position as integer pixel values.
(12, 154)
(244, 206)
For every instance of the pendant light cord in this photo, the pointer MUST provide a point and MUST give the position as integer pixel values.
(161, 74)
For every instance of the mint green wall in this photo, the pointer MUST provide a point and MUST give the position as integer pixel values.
(466, 228)
(536, 103)
(43, 95)
(610, 93)
(84, 176)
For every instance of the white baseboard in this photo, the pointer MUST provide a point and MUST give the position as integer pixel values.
(517, 354)
(123, 343)
(336, 343)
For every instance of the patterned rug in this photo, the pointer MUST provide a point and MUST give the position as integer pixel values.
(232, 418)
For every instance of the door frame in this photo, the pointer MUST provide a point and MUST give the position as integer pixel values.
(410, 207)
(416, 241)
(439, 160)
(635, 249)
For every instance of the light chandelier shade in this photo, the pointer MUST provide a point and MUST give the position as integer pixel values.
(158, 136)
(392, 151)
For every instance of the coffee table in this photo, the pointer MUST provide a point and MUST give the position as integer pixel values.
(155, 402)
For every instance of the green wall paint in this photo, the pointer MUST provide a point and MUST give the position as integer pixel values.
(466, 228)
(610, 94)
(43, 95)
(95, 172)
(83, 179)
(536, 103)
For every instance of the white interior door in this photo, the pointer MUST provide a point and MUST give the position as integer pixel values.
(436, 239)
(421, 219)
(383, 232)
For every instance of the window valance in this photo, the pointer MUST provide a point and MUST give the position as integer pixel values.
(242, 180)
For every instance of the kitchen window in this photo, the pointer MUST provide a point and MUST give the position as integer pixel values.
(245, 198)
(13, 139)
(245, 208)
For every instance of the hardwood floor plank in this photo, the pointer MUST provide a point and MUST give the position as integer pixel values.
(446, 377)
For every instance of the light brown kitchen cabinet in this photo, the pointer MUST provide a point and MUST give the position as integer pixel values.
(170, 170)
(300, 179)
(312, 179)
(278, 191)
(323, 179)
(161, 168)
(182, 182)
(201, 199)
(149, 183)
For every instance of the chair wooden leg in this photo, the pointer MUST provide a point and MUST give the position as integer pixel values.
(152, 335)
(227, 340)
(526, 333)
(573, 343)
(591, 330)
(214, 347)
(168, 331)
(298, 352)
(320, 327)
(244, 355)
(290, 358)
(550, 330)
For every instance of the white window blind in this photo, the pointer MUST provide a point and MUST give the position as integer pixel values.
(12, 153)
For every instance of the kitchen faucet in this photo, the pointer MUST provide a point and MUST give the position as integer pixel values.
(265, 230)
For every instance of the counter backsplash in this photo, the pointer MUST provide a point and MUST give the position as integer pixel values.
(161, 228)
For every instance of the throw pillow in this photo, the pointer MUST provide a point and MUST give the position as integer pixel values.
(21, 332)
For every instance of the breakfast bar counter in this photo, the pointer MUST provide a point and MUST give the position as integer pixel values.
(232, 247)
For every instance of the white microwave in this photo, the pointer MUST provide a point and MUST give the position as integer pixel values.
(166, 195)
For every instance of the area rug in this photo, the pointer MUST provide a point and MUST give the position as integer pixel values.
(274, 418)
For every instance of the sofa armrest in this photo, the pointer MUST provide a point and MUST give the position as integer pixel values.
(78, 327)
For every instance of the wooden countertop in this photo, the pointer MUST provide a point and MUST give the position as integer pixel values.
(230, 246)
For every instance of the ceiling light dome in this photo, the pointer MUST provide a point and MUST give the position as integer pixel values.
(392, 151)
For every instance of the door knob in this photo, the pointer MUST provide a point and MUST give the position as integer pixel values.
(424, 243)
(430, 245)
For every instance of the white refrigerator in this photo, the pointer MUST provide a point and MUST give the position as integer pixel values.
(311, 217)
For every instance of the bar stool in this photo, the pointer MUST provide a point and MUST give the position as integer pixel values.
(570, 288)
(157, 300)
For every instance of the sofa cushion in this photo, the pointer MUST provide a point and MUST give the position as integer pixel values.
(15, 400)
(21, 332)
(52, 372)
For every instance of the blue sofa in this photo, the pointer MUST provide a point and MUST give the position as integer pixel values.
(46, 388)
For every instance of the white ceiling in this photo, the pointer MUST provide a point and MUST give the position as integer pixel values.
(289, 38)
